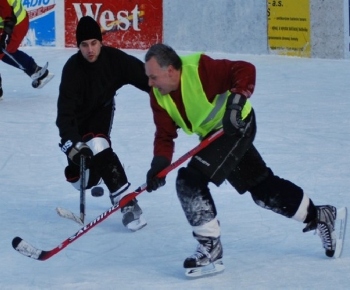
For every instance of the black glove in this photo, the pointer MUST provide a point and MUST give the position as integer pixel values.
(74, 151)
(157, 165)
(232, 121)
(4, 40)
(9, 24)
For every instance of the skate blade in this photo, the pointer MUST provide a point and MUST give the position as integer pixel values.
(211, 269)
(137, 224)
(342, 215)
(39, 84)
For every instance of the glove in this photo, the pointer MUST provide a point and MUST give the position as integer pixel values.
(232, 121)
(4, 40)
(9, 24)
(157, 165)
(75, 151)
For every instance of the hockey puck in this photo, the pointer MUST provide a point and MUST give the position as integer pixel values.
(97, 191)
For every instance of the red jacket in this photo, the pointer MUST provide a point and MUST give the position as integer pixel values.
(19, 31)
(5, 9)
(217, 76)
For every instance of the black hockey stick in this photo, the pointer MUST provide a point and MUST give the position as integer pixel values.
(67, 213)
(82, 187)
(28, 250)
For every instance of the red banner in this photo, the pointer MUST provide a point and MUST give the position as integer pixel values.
(134, 24)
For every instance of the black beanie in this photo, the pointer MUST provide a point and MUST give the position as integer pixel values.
(88, 28)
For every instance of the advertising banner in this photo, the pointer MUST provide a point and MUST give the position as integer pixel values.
(289, 27)
(134, 24)
(41, 22)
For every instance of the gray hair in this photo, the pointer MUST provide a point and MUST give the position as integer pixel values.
(164, 56)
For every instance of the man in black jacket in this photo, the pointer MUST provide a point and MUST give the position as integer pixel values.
(85, 109)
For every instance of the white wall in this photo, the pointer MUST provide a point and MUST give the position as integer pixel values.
(240, 26)
(327, 28)
(216, 25)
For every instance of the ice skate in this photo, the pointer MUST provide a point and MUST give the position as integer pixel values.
(132, 213)
(132, 216)
(41, 77)
(207, 259)
(324, 224)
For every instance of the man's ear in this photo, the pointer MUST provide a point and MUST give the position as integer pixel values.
(170, 70)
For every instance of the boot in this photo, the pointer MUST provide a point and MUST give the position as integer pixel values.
(209, 250)
(324, 225)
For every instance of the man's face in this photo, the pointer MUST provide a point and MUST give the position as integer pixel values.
(90, 49)
(161, 78)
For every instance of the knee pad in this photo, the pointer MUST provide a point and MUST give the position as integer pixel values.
(97, 143)
(107, 164)
(194, 195)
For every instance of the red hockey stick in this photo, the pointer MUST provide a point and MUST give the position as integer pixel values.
(28, 250)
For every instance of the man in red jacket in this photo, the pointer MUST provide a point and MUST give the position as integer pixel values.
(14, 23)
(201, 95)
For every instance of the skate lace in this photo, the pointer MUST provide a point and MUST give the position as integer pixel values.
(202, 251)
(325, 235)
(325, 227)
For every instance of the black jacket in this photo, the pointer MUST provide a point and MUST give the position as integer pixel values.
(88, 87)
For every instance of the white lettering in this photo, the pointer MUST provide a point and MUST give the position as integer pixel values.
(88, 9)
(123, 21)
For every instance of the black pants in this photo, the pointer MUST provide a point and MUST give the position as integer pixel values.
(235, 159)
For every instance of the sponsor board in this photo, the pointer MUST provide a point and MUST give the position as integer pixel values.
(289, 27)
(132, 24)
(41, 22)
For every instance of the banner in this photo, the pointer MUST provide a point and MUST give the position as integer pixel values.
(41, 23)
(134, 24)
(289, 27)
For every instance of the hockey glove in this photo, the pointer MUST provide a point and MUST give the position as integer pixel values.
(157, 165)
(9, 24)
(4, 40)
(232, 121)
(74, 151)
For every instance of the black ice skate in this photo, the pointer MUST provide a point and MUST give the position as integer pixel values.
(324, 224)
(132, 216)
(132, 213)
(41, 77)
(207, 259)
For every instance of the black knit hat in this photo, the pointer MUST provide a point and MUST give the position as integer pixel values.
(88, 28)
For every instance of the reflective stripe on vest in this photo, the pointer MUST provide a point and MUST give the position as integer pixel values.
(18, 10)
(203, 115)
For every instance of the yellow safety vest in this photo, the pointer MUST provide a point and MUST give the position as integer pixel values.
(203, 115)
(18, 10)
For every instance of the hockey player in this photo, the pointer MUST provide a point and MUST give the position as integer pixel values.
(85, 109)
(201, 95)
(14, 23)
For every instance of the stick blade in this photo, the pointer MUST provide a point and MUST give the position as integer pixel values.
(342, 215)
(26, 249)
(69, 215)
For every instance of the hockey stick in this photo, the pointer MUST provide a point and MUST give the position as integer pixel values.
(67, 213)
(28, 250)
(12, 58)
(33, 76)
(82, 188)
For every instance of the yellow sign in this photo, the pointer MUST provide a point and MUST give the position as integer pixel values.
(289, 27)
